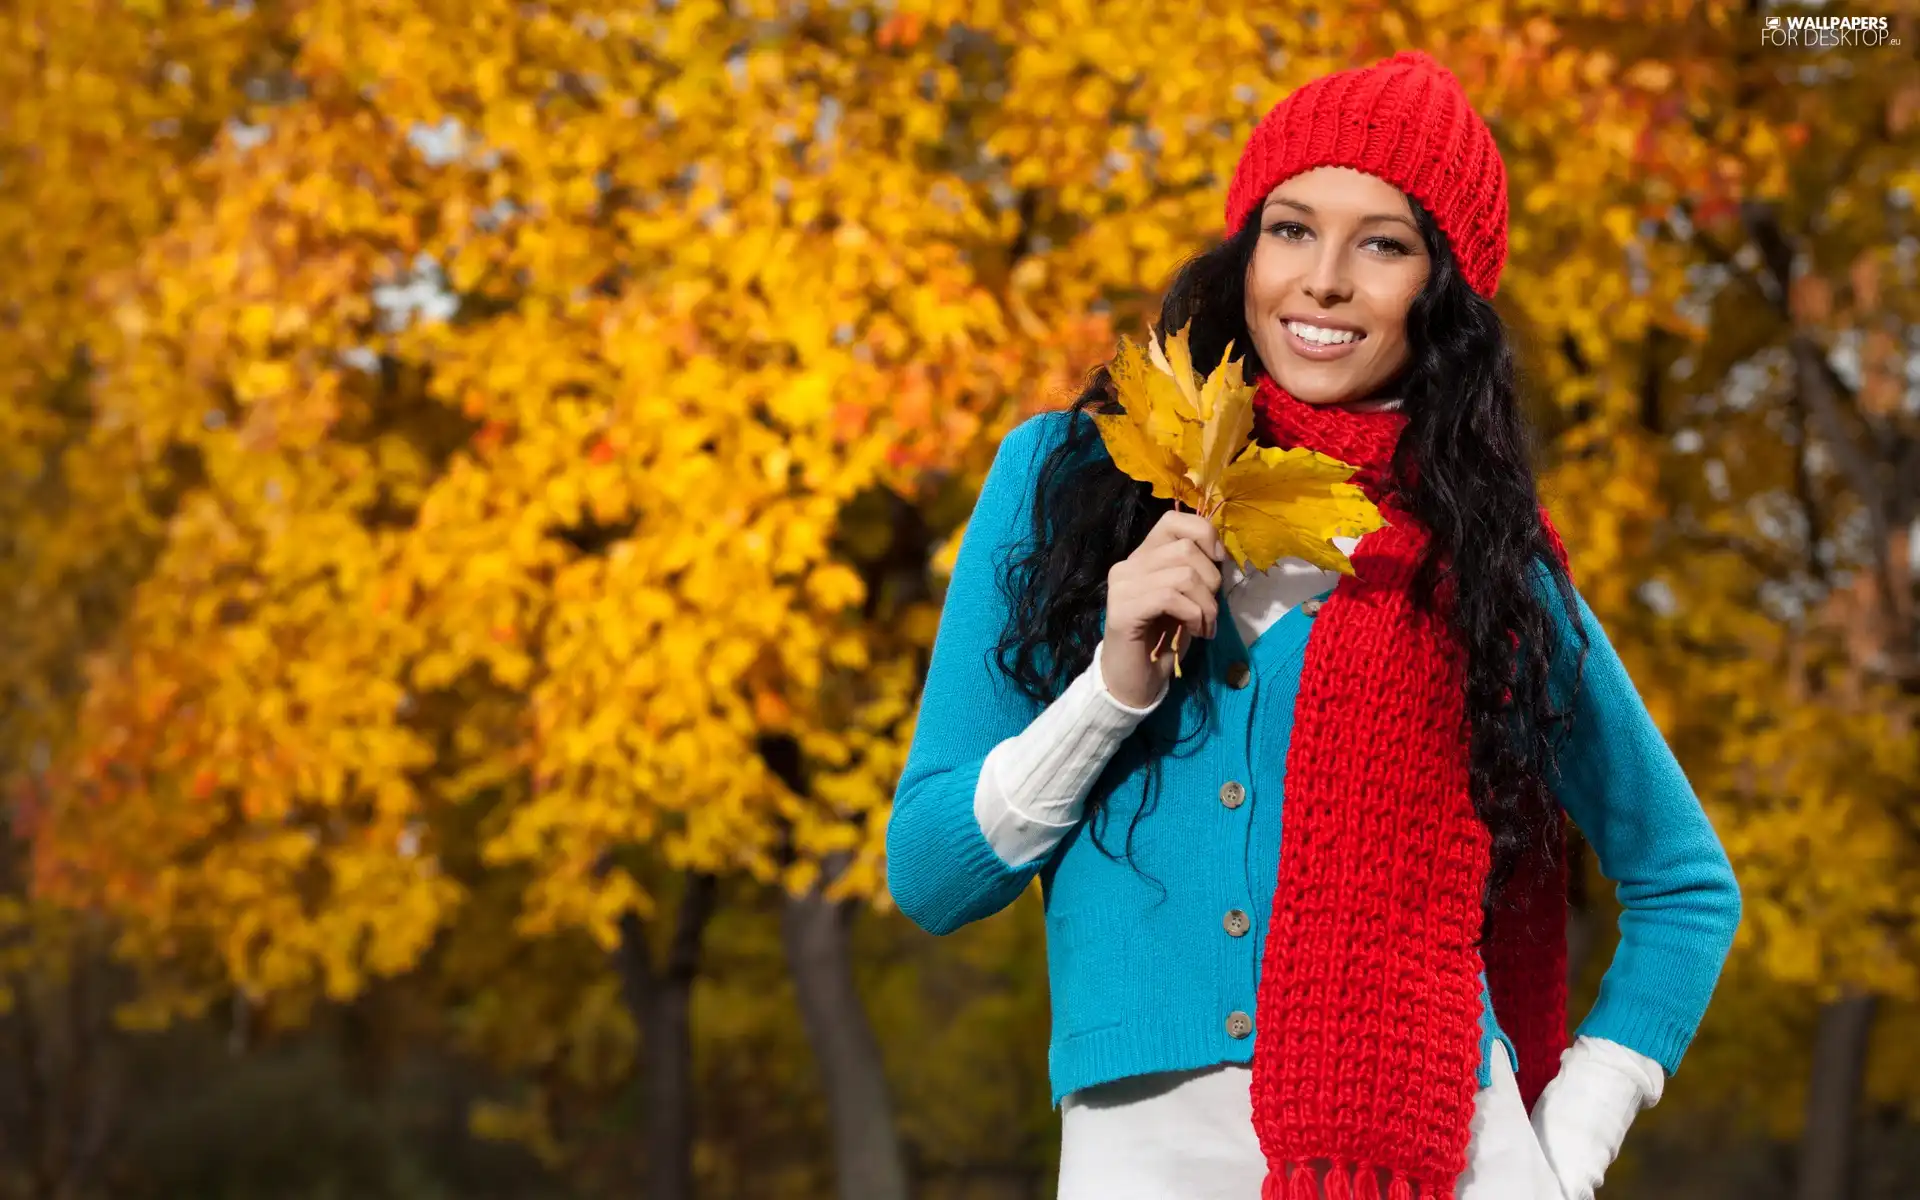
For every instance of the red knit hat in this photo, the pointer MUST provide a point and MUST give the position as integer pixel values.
(1406, 120)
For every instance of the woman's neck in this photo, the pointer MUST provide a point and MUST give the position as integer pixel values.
(1369, 404)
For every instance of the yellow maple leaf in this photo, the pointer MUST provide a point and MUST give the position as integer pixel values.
(1191, 440)
(1142, 437)
(1275, 503)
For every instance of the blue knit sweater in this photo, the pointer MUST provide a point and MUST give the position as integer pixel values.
(1143, 977)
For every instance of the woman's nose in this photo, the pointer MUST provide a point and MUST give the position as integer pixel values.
(1327, 282)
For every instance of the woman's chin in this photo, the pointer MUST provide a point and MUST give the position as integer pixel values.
(1321, 392)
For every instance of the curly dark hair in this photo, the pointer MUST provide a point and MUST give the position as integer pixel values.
(1472, 488)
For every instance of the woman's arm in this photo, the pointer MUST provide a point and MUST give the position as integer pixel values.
(1621, 784)
(1033, 789)
(941, 869)
(1680, 906)
(993, 782)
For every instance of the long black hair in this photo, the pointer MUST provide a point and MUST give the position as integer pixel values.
(1472, 488)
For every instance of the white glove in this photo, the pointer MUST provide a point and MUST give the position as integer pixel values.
(1584, 1111)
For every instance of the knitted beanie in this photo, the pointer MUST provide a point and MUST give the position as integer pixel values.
(1405, 120)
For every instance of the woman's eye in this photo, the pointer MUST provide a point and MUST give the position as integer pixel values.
(1294, 231)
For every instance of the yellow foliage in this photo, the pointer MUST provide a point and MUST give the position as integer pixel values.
(447, 439)
(1191, 439)
(488, 445)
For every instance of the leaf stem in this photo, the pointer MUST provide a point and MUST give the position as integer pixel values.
(1160, 644)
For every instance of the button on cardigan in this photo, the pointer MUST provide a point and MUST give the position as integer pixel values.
(1142, 979)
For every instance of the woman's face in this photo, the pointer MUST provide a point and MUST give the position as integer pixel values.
(1337, 266)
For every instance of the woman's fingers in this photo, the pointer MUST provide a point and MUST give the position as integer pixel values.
(1173, 574)
(1186, 585)
(1192, 526)
(1185, 553)
(1172, 602)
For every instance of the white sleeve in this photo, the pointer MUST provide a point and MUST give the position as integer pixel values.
(1582, 1116)
(1034, 785)
(1648, 1077)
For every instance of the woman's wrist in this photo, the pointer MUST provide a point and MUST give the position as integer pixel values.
(1141, 709)
(1132, 684)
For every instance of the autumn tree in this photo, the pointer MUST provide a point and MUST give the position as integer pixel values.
(81, 85)
(529, 430)
(1793, 484)
(533, 387)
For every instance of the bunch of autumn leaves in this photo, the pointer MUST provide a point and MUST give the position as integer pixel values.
(1191, 439)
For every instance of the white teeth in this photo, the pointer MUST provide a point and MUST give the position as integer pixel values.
(1319, 336)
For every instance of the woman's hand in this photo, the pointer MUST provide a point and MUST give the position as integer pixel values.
(1582, 1116)
(1170, 583)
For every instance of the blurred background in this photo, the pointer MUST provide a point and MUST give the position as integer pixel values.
(476, 479)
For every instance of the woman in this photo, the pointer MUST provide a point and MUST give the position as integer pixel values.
(1305, 903)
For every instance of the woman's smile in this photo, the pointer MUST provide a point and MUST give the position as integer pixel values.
(1320, 341)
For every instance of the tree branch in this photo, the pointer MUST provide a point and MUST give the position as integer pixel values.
(1764, 563)
(1817, 391)
(697, 905)
(1720, 256)
(1809, 503)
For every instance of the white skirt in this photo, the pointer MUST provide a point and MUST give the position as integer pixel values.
(1189, 1134)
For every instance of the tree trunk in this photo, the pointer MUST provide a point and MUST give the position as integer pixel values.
(866, 1147)
(63, 1051)
(661, 1002)
(817, 935)
(1839, 1070)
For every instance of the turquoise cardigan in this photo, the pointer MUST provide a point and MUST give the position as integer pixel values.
(1143, 975)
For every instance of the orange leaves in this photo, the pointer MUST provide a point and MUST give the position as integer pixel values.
(899, 30)
(536, 418)
(488, 438)
(1670, 491)
(575, 550)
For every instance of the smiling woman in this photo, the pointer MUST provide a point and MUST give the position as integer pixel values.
(1332, 962)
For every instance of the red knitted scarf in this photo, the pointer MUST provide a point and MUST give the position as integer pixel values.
(1368, 1041)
